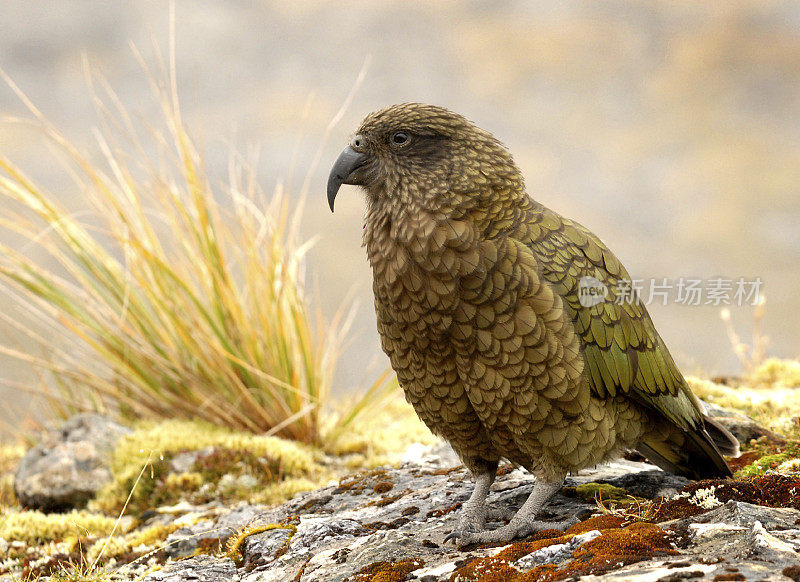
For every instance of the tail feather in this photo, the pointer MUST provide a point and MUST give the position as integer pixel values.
(693, 453)
(726, 443)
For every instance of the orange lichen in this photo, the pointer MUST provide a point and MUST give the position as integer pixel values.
(734, 576)
(600, 522)
(387, 571)
(505, 469)
(444, 471)
(357, 484)
(498, 567)
(383, 501)
(383, 487)
(792, 572)
(616, 546)
(635, 539)
(441, 512)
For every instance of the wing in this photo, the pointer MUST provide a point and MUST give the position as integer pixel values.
(623, 352)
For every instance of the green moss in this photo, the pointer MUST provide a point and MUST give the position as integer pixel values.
(771, 406)
(775, 372)
(264, 460)
(35, 527)
(124, 549)
(9, 458)
(235, 544)
(601, 492)
(767, 456)
(152, 439)
(763, 464)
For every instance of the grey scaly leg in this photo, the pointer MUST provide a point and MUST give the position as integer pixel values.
(472, 518)
(524, 522)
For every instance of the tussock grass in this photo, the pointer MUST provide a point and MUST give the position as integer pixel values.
(752, 355)
(174, 298)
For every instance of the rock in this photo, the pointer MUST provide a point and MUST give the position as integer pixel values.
(70, 465)
(745, 515)
(183, 542)
(649, 484)
(741, 426)
(682, 570)
(765, 546)
(208, 528)
(555, 553)
(202, 567)
(391, 523)
(396, 519)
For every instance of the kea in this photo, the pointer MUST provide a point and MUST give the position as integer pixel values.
(509, 326)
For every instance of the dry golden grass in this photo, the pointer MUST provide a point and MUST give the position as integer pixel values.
(175, 299)
(751, 355)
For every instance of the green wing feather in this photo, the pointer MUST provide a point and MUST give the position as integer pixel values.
(623, 352)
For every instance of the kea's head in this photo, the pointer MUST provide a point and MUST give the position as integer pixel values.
(423, 154)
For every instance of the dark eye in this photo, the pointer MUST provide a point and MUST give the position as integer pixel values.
(400, 138)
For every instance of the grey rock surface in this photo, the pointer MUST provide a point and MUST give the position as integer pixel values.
(202, 568)
(212, 525)
(649, 484)
(400, 517)
(740, 425)
(69, 465)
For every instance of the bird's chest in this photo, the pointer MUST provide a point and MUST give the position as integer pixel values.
(412, 296)
(417, 270)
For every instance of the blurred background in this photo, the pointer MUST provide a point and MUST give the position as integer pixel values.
(669, 128)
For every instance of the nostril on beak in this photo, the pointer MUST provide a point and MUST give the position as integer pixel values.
(358, 143)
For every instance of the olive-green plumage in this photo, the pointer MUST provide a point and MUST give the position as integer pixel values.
(477, 294)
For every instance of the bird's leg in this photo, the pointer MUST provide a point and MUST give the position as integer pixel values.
(524, 522)
(500, 514)
(472, 518)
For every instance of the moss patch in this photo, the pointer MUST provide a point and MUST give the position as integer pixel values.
(599, 522)
(35, 527)
(387, 571)
(772, 406)
(236, 466)
(769, 456)
(9, 458)
(615, 547)
(771, 490)
(774, 373)
(152, 439)
(601, 492)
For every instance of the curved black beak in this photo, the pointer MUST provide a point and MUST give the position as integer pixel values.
(345, 171)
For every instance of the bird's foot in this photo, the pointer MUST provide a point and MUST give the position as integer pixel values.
(507, 533)
(471, 520)
(500, 514)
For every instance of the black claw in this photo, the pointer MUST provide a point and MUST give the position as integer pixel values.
(453, 535)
